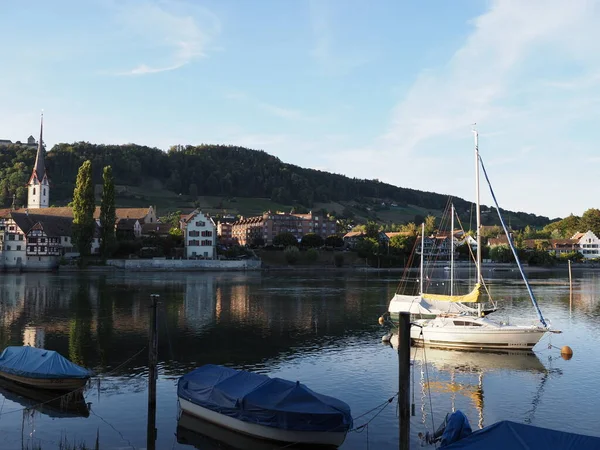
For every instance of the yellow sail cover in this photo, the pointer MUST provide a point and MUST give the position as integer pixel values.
(471, 297)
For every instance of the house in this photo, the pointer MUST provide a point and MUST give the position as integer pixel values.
(128, 228)
(563, 246)
(155, 229)
(588, 243)
(352, 238)
(200, 235)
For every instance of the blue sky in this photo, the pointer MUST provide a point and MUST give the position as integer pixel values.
(383, 89)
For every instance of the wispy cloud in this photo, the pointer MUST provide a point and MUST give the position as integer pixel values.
(169, 35)
(275, 110)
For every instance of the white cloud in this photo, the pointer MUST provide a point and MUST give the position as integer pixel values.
(170, 34)
(527, 74)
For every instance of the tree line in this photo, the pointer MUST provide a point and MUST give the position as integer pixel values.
(220, 170)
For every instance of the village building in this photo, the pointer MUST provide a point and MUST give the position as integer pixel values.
(589, 244)
(200, 235)
(36, 237)
(247, 230)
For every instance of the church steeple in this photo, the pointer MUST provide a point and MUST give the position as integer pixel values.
(38, 188)
(40, 167)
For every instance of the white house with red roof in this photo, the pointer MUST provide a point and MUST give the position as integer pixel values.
(200, 235)
(589, 244)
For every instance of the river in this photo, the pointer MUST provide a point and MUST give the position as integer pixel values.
(319, 328)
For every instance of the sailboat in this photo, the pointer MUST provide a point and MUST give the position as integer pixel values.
(473, 331)
(428, 306)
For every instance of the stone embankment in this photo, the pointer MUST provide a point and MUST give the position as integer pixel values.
(182, 265)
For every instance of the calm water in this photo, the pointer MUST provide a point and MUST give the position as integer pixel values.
(320, 328)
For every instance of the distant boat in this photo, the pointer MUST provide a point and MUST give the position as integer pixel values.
(42, 369)
(267, 408)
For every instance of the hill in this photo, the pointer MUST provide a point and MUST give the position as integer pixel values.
(229, 179)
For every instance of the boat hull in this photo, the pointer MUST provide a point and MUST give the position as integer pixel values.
(510, 338)
(55, 384)
(261, 431)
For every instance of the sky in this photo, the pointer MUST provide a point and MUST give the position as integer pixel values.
(385, 90)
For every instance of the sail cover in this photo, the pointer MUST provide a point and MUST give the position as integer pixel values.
(471, 297)
(258, 399)
(517, 436)
(35, 362)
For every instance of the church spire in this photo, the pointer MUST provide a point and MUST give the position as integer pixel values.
(40, 167)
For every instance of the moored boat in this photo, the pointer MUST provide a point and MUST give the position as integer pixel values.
(266, 408)
(42, 369)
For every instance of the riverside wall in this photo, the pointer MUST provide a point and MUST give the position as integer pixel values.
(183, 264)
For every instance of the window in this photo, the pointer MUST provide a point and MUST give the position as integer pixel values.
(206, 233)
(193, 242)
(32, 240)
(18, 247)
(11, 237)
(20, 237)
(66, 239)
(200, 223)
(42, 240)
(42, 249)
(206, 243)
(33, 191)
(8, 247)
(32, 248)
(194, 233)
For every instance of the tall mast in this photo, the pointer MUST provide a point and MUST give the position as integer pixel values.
(452, 252)
(422, 257)
(478, 214)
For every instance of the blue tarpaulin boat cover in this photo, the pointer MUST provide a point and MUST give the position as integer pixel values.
(258, 399)
(35, 362)
(517, 436)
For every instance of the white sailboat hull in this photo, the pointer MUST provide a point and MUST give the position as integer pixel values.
(492, 338)
(261, 431)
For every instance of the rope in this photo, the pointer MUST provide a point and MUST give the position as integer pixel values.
(110, 425)
(122, 364)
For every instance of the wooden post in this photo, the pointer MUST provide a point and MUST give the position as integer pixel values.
(152, 361)
(404, 379)
(570, 288)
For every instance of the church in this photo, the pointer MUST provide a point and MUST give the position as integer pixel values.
(36, 237)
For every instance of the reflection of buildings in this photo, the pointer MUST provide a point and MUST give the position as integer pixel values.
(199, 302)
(34, 337)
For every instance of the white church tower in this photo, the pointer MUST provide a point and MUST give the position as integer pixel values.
(38, 188)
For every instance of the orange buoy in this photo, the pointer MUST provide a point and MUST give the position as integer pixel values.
(566, 352)
(381, 320)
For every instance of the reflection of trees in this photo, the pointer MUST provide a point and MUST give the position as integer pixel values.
(80, 323)
(105, 325)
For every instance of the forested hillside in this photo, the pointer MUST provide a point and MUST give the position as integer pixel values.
(213, 170)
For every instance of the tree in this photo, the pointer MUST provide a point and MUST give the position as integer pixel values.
(429, 225)
(108, 216)
(590, 220)
(285, 240)
(292, 254)
(367, 247)
(372, 230)
(84, 224)
(334, 241)
(312, 240)
(501, 253)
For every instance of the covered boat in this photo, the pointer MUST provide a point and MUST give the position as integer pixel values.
(263, 407)
(518, 436)
(40, 368)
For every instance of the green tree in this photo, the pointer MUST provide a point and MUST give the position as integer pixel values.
(311, 240)
(367, 247)
(334, 241)
(590, 220)
(285, 240)
(372, 230)
(108, 216)
(84, 224)
(501, 253)
(429, 225)
(292, 254)
(401, 244)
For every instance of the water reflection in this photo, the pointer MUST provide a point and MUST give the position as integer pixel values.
(318, 328)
